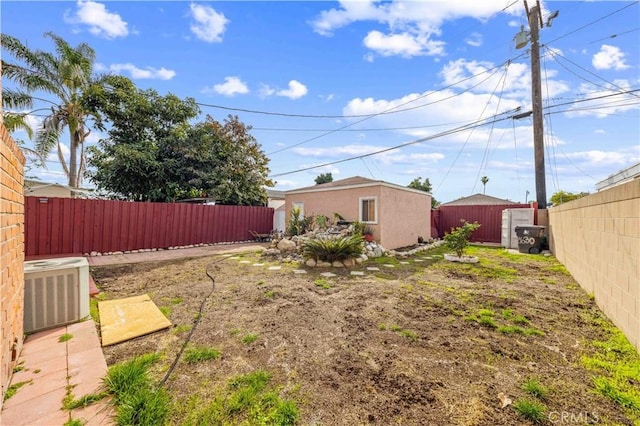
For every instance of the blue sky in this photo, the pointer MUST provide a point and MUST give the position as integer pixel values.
(370, 76)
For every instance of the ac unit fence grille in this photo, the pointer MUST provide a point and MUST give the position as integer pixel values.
(51, 299)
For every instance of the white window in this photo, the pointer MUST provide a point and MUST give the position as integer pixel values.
(369, 210)
(298, 205)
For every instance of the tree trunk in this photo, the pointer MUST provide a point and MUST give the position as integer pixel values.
(74, 142)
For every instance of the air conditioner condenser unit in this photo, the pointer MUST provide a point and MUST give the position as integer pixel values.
(56, 292)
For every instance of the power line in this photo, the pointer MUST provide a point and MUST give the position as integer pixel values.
(591, 23)
(556, 54)
(615, 35)
(368, 117)
(439, 135)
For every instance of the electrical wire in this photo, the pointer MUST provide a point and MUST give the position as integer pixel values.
(483, 163)
(438, 135)
(591, 23)
(556, 55)
(393, 109)
(548, 128)
(615, 35)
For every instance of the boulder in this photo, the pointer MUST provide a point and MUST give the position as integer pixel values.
(310, 263)
(286, 245)
(337, 264)
(378, 251)
(322, 264)
(348, 262)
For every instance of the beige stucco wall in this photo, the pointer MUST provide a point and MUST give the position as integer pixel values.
(11, 257)
(597, 238)
(402, 215)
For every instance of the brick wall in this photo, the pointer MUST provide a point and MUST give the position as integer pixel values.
(11, 256)
(597, 238)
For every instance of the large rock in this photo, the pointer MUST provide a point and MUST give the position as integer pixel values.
(378, 251)
(310, 263)
(348, 262)
(322, 264)
(337, 264)
(286, 245)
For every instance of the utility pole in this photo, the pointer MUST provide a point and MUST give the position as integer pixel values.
(535, 23)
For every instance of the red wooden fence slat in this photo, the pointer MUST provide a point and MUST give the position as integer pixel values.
(63, 226)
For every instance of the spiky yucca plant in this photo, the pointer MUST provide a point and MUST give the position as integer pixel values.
(330, 249)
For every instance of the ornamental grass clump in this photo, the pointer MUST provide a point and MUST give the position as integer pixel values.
(333, 248)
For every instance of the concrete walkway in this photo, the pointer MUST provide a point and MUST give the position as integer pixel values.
(49, 367)
(182, 253)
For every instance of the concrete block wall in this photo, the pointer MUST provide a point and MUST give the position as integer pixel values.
(597, 238)
(11, 256)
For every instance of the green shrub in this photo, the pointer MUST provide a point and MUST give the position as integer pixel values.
(357, 228)
(298, 225)
(330, 249)
(458, 239)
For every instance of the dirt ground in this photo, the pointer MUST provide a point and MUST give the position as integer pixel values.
(403, 345)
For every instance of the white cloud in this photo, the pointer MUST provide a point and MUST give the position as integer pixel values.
(266, 90)
(232, 86)
(296, 90)
(609, 57)
(208, 25)
(475, 40)
(402, 44)
(369, 57)
(597, 158)
(143, 73)
(600, 132)
(100, 21)
(413, 26)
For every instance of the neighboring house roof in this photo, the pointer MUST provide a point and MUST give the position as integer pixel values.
(31, 185)
(477, 200)
(620, 177)
(349, 183)
(275, 194)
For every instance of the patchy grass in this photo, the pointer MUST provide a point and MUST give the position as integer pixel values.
(74, 422)
(200, 353)
(321, 282)
(269, 294)
(533, 411)
(65, 337)
(136, 399)
(182, 328)
(18, 367)
(166, 311)
(616, 365)
(249, 338)
(69, 403)
(535, 388)
(246, 399)
(11, 390)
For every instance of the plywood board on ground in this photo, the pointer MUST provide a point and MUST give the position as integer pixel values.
(124, 319)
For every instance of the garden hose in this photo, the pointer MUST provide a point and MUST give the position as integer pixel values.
(195, 323)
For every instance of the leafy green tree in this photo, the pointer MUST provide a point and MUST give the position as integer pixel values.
(65, 74)
(563, 197)
(225, 161)
(137, 158)
(425, 186)
(324, 178)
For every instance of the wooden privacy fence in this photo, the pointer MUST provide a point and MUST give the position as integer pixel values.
(489, 216)
(56, 226)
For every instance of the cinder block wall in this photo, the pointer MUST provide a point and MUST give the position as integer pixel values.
(597, 238)
(11, 256)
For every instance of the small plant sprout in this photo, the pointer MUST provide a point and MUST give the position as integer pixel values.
(200, 353)
(65, 337)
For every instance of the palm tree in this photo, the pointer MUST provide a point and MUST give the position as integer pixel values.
(484, 181)
(67, 75)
